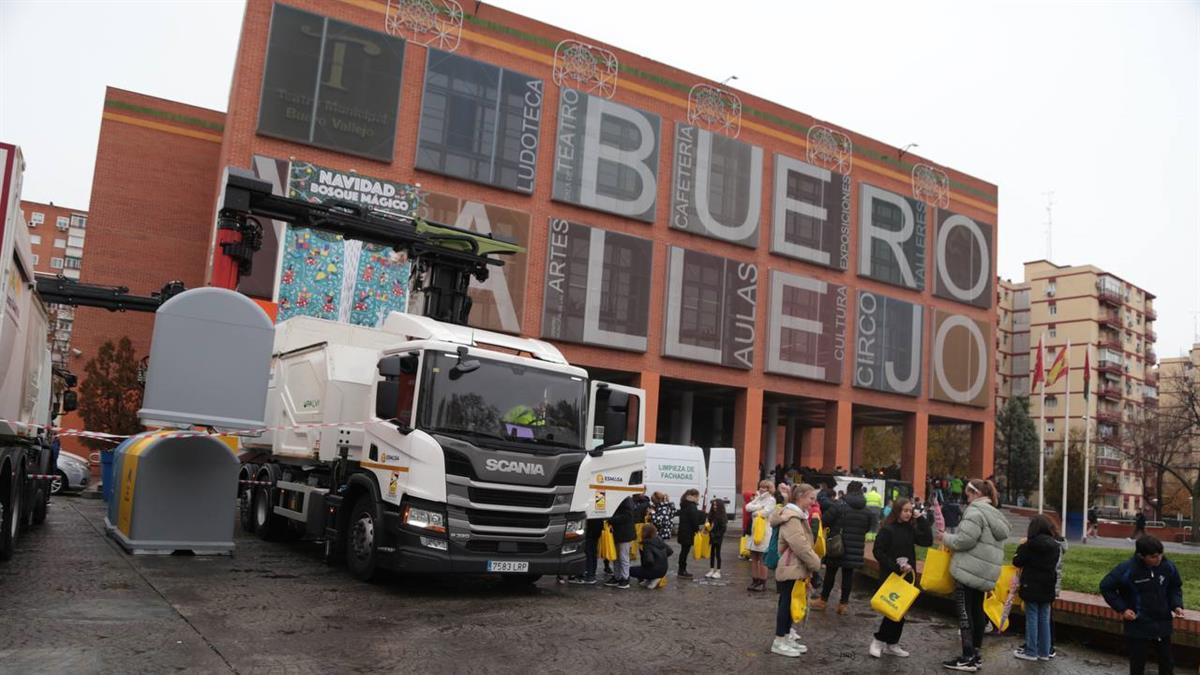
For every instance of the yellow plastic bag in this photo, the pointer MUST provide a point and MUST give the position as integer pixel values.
(819, 544)
(1010, 576)
(935, 576)
(895, 595)
(662, 583)
(799, 600)
(744, 546)
(701, 546)
(608, 545)
(993, 608)
(759, 530)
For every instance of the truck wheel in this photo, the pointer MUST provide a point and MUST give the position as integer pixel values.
(10, 520)
(246, 499)
(362, 539)
(41, 502)
(266, 523)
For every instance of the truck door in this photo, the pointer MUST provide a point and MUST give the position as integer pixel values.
(614, 468)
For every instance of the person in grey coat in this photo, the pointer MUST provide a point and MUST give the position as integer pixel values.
(978, 553)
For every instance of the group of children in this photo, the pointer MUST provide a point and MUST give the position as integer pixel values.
(656, 514)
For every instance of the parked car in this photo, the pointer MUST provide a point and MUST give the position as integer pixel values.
(72, 474)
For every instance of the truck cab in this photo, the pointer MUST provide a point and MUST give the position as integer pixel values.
(429, 447)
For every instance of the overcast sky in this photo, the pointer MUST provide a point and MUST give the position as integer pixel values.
(1097, 102)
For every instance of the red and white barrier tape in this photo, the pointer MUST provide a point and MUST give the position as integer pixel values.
(41, 476)
(182, 433)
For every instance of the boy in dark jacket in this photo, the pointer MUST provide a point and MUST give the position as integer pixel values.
(653, 558)
(624, 533)
(1147, 592)
(1037, 558)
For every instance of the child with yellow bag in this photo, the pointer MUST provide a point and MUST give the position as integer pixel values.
(797, 562)
(624, 533)
(1037, 558)
(691, 522)
(896, 552)
(717, 522)
(760, 509)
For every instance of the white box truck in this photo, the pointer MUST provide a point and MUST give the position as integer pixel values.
(25, 369)
(424, 446)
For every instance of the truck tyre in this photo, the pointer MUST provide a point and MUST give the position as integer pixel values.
(41, 503)
(362, 538)
(10, 518)
(266, 523)
(246, 498)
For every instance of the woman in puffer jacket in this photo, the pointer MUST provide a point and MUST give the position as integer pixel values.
(762, 506)
(978, 553)
(797, 562)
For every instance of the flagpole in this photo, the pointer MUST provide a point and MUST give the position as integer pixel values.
(1066, 441)
(1087, 434)
(1040, 375)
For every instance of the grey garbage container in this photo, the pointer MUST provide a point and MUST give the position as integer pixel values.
(173, 492)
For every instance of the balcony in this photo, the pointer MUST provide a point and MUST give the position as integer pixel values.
(1151, 336)
(1110, 392)
(1110, 367)
(1112, 419)
(1151, 315)
(1151, 357)
(1106, 463)
(1111, 320)
(1110, 297)
(1111, 343)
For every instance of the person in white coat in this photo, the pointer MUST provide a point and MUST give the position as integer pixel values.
(762, 506)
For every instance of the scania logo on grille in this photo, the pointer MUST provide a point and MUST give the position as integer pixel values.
(509, 466)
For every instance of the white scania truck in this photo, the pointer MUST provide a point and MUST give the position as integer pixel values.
(425, 445)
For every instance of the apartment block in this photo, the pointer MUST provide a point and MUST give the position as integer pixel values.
(1087, 308)
(58, 235)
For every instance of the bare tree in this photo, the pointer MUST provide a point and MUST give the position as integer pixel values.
(1165, 440)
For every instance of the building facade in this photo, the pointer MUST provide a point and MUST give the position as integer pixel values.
(773, 282)
(58, 236)
(1013, 366)
(1087, 308)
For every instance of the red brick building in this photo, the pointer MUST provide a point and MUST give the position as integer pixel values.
(151, 207)
(774, 283)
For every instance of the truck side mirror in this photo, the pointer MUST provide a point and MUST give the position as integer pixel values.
(387, 392)
(70, 401)
(616, 418)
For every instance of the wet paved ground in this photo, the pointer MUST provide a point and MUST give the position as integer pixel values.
(72, 602)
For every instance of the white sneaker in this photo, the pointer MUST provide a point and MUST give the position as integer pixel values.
(876, 648)
(794, 638)
(895, 650)
(716, 574)
(784, 647)
(709, 574)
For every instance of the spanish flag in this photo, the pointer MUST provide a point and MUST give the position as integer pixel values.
(1058, 368)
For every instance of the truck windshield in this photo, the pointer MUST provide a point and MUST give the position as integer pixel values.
(509, 402)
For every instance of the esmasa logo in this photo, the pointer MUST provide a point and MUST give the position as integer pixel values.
(509, 466)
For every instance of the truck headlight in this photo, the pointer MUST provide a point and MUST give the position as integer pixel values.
(433, 521)
(575, 528)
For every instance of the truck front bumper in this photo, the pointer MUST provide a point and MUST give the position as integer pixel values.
(409, 551)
